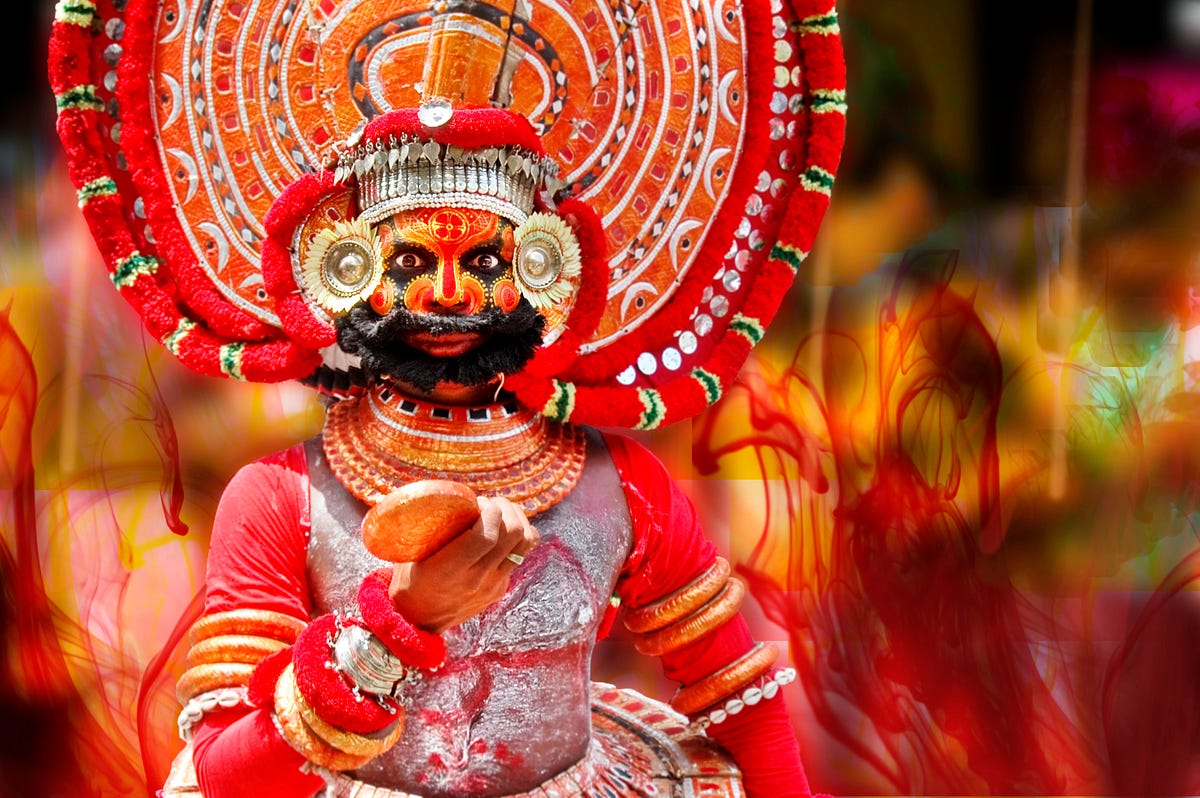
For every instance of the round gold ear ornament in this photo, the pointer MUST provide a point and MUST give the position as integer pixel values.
(343, 267)
(547, 260)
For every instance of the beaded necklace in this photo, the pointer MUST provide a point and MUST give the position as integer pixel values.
(383, 440)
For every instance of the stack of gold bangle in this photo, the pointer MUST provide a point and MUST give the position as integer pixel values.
(718, 686)
(683, 617)
(317, 740)
(226, 647)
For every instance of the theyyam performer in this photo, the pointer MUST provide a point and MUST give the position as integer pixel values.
(474, 228)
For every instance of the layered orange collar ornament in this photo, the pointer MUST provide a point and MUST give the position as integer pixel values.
(384, 440)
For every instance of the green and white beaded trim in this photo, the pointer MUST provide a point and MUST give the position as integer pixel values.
(75, 12)
(821, 24)
(172, 341)
(748, 327)
(231, 360)
(817, 179)
(562, 403)
(133, 267)
(710, 384)
(829, 101)
(79, 98)
(790, 255)
(100, 187)
(655, 410)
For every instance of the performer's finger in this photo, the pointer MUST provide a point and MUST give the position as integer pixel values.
(483, 536)
(532, 537)
(524, 544)
(513, 545)
(515, 522)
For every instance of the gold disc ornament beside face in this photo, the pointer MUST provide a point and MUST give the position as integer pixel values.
(342, 267)
(547, 267)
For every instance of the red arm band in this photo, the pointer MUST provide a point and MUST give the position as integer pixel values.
(257, 561)
(669, 551)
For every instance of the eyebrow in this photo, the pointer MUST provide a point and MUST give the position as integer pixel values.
(491, 246)
(398, 244)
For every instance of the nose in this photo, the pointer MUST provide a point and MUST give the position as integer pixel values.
(448, 288)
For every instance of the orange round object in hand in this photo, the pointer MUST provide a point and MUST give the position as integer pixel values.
(416, 520)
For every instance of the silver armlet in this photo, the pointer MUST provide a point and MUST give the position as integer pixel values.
(364, 658)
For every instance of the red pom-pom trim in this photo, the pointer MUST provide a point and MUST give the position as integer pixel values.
(327, 691)
(413, 646)
(600, 367)
(139, 143)
(287, 213)
(261, 690)
(469, 128)
(176, 302)
(589, 379)
(555, 359)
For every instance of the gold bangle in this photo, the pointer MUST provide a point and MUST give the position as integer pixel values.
(203, 678)
(344, 741)
(248, 649)
(300, 737)
(681, 603)
(262, 623)
(721, 684)
(712, 615)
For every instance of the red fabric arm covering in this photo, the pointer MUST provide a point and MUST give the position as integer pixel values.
(256, 558)
(257, 561)
(763, 743)
(243, 756)
(669, 550)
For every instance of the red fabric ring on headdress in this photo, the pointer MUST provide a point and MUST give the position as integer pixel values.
(469, 128)
(288, 212)
(585, 315)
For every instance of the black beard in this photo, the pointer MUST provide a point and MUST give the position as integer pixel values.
(510, 340)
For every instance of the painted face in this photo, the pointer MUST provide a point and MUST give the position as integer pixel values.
(450, 260)
(448, 310)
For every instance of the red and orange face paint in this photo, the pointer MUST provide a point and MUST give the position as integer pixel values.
(447, 260)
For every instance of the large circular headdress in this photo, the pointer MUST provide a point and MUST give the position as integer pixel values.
(705, 136)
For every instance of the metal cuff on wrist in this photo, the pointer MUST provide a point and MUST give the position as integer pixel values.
(370, 664)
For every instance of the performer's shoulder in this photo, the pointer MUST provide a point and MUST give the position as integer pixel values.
(622, 447)
(288, 465)
(633, 460)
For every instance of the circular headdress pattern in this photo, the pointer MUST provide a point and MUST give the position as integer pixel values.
(704, 134)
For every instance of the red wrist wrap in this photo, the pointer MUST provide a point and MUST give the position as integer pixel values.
(414, 647)
(261, 689)
(328, 692)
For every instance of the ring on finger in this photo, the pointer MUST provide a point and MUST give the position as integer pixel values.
(514, 558)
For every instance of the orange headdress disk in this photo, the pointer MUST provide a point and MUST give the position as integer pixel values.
(666, 168)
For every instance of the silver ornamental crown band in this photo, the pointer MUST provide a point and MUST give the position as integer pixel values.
(403, 175)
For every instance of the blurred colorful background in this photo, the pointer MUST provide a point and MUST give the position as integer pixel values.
(960, 473)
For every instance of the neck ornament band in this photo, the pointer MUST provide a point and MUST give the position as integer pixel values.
(383, 440)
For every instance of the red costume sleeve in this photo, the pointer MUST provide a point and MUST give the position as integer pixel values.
(257, 561)
(669, 551)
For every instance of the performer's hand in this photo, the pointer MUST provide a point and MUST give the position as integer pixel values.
(468, 574)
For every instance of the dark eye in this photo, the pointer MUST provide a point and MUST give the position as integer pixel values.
(485, 262)
(410, 261)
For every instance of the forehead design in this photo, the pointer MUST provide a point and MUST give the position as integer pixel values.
(445, 231)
